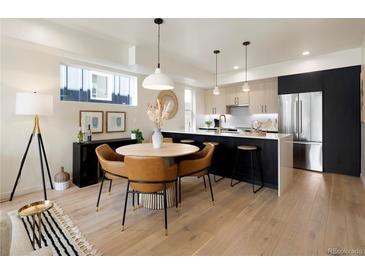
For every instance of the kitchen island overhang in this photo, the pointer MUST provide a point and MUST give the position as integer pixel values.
(275, 155)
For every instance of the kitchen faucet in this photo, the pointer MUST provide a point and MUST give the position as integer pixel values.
(219, 130)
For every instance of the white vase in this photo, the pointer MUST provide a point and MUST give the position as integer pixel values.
(133, 136)
(157, 138)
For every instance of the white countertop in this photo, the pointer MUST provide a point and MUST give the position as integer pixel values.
(269, 136)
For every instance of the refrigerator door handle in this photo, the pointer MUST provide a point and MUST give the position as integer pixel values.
(297, 119)
(301, 115)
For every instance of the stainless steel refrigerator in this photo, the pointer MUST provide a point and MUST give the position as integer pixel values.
(300, 114)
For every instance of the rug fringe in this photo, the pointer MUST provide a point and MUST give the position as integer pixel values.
(74, 233)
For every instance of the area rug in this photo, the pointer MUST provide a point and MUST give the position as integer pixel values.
(59, 232)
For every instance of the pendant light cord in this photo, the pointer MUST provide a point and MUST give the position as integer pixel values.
(158, 47)
(246, 63)
(216, 69)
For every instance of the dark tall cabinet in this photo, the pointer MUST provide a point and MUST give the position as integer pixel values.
(341, 120)
(341, 114)
(85, 165)
(298, 83)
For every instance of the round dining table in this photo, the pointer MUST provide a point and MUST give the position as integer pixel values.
(167, 151)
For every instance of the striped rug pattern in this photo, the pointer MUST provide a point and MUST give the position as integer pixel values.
(59, 232)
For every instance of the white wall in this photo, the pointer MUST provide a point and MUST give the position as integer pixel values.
(25, 69)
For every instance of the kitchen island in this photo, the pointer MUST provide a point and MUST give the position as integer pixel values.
(275, 154)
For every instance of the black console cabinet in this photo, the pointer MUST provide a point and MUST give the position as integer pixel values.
(85, 165)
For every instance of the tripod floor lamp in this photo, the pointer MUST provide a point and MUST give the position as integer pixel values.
(34, 104)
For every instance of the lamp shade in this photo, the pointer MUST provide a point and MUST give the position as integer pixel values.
(246, 87)
(158, 81)
(216, 91)
(28, 103)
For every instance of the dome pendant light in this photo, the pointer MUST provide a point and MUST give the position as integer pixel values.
(246, 86)
(158, 80)
(216, 88)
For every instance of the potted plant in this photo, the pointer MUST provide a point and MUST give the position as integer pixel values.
(137, 134)
(209, 123)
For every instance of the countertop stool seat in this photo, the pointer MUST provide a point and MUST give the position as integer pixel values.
(247, 148)
(187, 141)
(214, 144)
(255, 164)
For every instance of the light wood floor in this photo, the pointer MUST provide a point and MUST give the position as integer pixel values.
(318, 211)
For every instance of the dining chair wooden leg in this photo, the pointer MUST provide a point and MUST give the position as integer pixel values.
(110, 187)
(101, 188)
(205, 185)
(211, 190)
(125, 205)
(165, 207)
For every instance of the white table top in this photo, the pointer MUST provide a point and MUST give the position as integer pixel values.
(166, 150)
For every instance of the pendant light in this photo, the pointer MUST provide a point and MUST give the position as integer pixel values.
(216, 88)
(246, 87)
(158, 80)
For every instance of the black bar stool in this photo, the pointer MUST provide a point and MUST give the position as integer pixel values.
(214, 144)
(254, 159)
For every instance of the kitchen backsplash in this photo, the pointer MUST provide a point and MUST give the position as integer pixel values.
(241, 117)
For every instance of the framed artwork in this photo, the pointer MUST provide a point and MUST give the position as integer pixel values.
(94, 118)
(115, 121)
(168, 99)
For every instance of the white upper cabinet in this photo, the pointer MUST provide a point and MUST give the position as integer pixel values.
(242, 97)
(231, 96)
(215, 104)
(263, 96)
(235, 96)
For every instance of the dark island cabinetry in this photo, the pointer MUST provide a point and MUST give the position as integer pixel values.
(224, 156)
(85, 165)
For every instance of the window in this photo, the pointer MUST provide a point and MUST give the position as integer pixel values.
(189, 107)
(84, 85)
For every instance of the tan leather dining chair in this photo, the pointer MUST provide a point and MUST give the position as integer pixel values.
(112, 165)
(196, 164)
(149, 175)
(168, 140)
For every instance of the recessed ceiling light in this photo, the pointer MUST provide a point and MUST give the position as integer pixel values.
(305, 53)
(236, 67)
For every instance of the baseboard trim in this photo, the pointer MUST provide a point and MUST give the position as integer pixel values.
(362, 178)
(5, 196)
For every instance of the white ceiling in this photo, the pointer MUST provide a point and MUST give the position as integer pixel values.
(193, 40)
